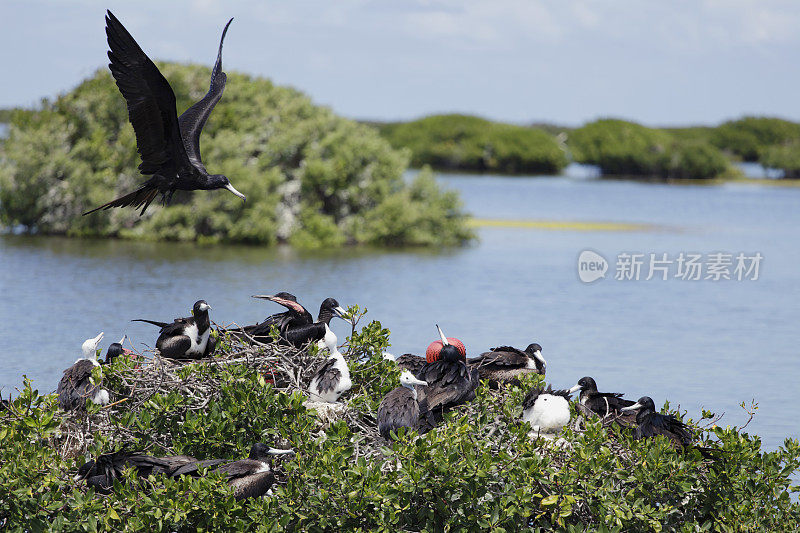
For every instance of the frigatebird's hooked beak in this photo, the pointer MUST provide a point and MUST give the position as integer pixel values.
(441, 334)
(633, 407)
(234, 191)
(278, 451)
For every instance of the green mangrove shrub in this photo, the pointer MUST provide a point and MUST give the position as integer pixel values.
(748, 137)
(625, 148)
(462, 142)
(311, 178)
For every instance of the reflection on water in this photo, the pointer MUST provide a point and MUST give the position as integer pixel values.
(698, 344)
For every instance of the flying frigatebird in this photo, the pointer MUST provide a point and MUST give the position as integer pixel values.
(168, 145)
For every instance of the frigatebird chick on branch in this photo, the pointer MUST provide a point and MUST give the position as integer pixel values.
(76, 384)
(404, 407)
(168, 145)
(186, 338)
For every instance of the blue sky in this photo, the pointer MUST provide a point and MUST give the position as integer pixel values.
(660, 63)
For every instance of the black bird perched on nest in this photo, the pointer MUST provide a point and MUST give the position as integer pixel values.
(76, 385)
(294, 316)
(450, 381)
(650, 423)
(186, 338)
(602, 404)
(101, 472)
(506, 363)
(249, 478)
(296, 327)
(168, 145)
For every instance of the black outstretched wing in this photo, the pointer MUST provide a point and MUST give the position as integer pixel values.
(192, 120)
(327, 377)
(150, 99)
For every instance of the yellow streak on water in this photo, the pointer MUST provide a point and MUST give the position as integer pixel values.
(560, 225)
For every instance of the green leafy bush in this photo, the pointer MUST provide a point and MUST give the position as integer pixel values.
(625, 148)
(783, 156)
(311, 178)
(460, 142)
(747, 137)
(480, 470)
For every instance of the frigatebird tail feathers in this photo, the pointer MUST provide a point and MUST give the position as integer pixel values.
(155, 323)
(192, 120)
(143, 196)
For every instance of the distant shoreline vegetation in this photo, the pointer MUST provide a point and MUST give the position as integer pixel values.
(617, 147)
(312, 178)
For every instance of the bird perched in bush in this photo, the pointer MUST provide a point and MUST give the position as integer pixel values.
(450, 381)
(249, 478)
(546, 410)
(186, 338)
(506, 363)
(405, 406)
(602, 404)
(76, 385)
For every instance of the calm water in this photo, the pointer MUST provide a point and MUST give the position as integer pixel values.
(697, 343)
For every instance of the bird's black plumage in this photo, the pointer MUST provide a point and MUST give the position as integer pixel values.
(295, 315)
(650, 423)
(249, 478)
(603, 404)
(295, 325)
(186, 338)
(405, 406)
(535, 392)
(101, 472)
(327, 376)
(76, 386)
(412, 363)
(169, 146)
(506, 363)
(450, 381)
(115, 349)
